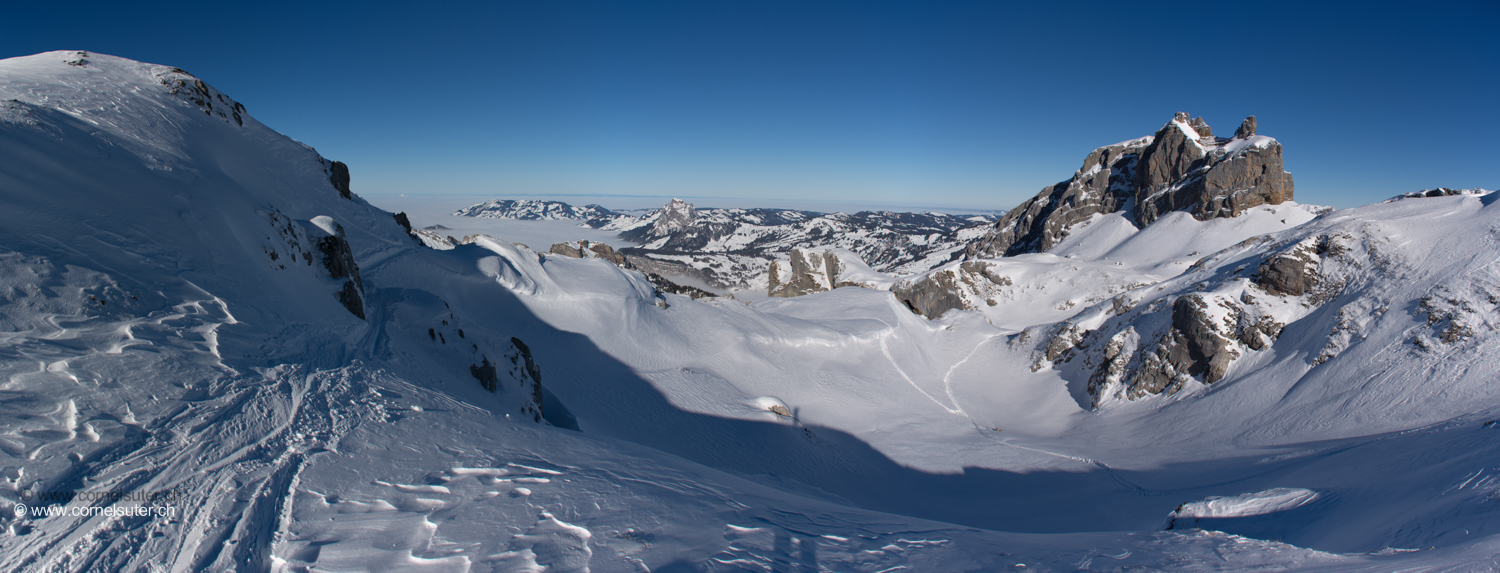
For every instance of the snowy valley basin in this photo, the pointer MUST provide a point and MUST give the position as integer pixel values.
(1184, 369)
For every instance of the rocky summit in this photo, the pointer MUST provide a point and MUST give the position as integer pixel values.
(1183, 167)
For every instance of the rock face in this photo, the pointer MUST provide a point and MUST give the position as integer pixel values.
(522, 370)
(1183, 167)
(590, 250)
(402, 220)
(1182, 171)
(338, 175)
(333, 249)
(1192, 329)
(1104, 184)
(1292, 273)
(930, 298)
(596, 250)
(963, 287)
(1247, 128)
(805, 272)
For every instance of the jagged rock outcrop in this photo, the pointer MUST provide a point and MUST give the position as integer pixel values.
(485, 372)
(590, 250)
(1247, 128)
(1236, 301)
(805, 272)
(1292, 273)
(338, 175)
(597, 250)
(932, 297)
(523, 370)
(402, 220)
(1183, 170)
(526, 372)
(338, 259)
(1183, 167)
(1103, 185)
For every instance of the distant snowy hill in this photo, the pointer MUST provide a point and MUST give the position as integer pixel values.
(198, 306)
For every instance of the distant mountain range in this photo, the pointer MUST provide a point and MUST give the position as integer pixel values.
(733, 248)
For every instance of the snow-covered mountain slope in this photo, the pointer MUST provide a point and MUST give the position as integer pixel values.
(160, 336)
(732, 249)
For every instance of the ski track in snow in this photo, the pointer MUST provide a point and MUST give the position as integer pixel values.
(885, 350)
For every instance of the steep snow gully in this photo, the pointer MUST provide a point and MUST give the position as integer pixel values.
(217, 356)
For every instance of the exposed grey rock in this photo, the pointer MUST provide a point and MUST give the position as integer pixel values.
(338, 175)
(350, 298)
(1291, 273)
(665, 285)
(485, 373)
(1200, 126)
(403, 221)
(931, 296)
(1183, 167)
(806, 272)
(1247, 128)
(1219, 179)
(526, 371)
(1103, 185)
(565, 250)
(1207, 352)
(338, 258)
(1171, 155)
(590, 250)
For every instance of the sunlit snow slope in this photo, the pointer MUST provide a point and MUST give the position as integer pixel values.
(171, 323)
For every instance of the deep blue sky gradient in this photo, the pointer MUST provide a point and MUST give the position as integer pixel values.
(973, 104)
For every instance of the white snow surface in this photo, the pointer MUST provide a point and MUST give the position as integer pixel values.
(1249, 504)
(152, 343)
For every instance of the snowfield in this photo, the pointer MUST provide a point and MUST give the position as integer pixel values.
(178, 296)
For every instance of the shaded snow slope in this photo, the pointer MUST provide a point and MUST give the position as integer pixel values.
(169, 327)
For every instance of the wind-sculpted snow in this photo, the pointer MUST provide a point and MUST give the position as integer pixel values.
(172, 341)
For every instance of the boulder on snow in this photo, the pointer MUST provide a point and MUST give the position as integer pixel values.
(930, 296)
(805, 272)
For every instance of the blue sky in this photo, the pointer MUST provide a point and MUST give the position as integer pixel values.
(970, 104)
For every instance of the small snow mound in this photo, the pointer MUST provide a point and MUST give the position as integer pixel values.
(325, 223)
(771, 404)
(1248, 504)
